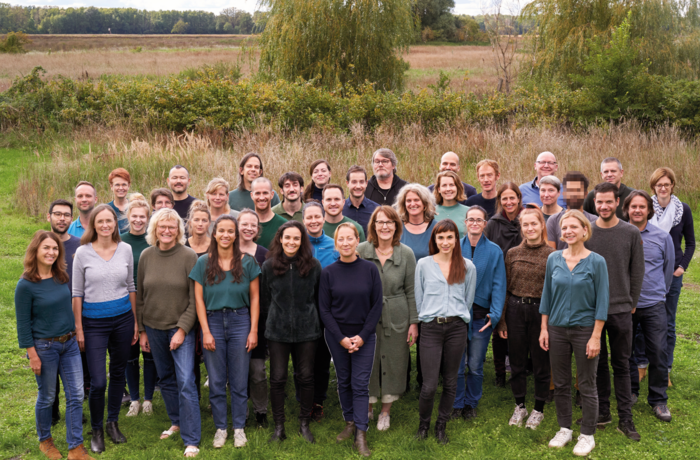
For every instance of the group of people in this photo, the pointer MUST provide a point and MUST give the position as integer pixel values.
(543, 271)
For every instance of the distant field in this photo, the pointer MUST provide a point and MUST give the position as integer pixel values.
(53, 43)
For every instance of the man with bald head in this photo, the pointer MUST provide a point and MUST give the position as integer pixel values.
(545, 165)
(450, 162)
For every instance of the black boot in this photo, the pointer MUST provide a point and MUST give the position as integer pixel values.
(423, 430)
(279, 434)
(440, 433)
(97, 443)
(305, 431)
(261, 420)
(112, 429)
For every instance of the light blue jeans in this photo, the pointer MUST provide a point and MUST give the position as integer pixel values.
(470, 393)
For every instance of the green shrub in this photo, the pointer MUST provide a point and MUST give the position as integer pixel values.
(14, 42)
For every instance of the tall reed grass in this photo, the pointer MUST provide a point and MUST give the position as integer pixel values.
(92, 154)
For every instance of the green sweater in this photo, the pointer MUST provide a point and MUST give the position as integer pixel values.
(165, 294)
(240, 199)
(458, 213)
(138, 244)
(279, 210)
(269, 229)
(330, 228)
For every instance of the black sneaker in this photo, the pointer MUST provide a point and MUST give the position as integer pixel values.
(662, 413)
(635, 398)
(126, 398)
(500, 381)
(603, 419)
(456, 413)
(578, 398)
(627, 428)
(261, 420)
(468, 413)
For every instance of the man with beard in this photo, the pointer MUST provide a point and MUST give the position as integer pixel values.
(291, 184)
(488, 173)
(262, 193)
(575, 186)
(384, 186)
(450, 162)
(178, 181)
(358, 207)
(85, 201)
(611, 171)
(249, 169)
(333, 201)
(545, 165)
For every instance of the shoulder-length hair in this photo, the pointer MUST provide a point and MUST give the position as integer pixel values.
(213, 186)
(660, 173)
(634, 194)
(508, 186)
(215, 274)
(534, 210)
(31, 265)
(304, 256)
(195, 207)
(309, 190)
(390, 213)
(458, 183)
(458, 269)
(585, 223)
(90, 235)
(159, 216)
(241, 165)
(425, 196)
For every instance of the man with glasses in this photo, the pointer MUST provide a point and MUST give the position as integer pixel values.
(85, 201)
(384, 186)
(546, 165)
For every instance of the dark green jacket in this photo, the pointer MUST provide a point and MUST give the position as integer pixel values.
(289, 304)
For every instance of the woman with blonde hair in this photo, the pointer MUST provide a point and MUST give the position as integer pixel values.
(216, 196)
(198, 225)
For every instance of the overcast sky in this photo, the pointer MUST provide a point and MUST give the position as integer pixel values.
(472, 7)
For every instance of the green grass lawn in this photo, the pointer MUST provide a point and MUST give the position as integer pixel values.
(489, 436)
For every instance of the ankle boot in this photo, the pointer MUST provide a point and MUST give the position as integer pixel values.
(361, 443)
(423, 429)
(440, 433)
(279, 434)
(49, 449)
(112, 429)
(305, 431)
(347, 432)
(79, 453)
(97, 443)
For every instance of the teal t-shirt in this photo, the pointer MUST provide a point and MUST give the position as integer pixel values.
(226, 294)
(240, 199)
(269, 230)
(331, 228)
(457, 213)
(138, 245)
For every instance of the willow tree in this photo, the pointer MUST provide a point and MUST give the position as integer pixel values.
(337, 42)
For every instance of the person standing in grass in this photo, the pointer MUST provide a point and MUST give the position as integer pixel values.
(178, 182)
(333, 202)
(350, 302)
(104, 305)
(289, 307)
(250, 168)
(165, 309)
(448, 193)
(384, 186)
(291, 184)
(397, 330)
(46, 328)
(85, 201)
(574, 308)
(526, 265)
(488, 173)
(119, 183)
(357, 206)
(550, 188)
(269, 222)
(138, 213)
(444, 288)
(320, 172)
(162, 198)
(216, 197)
(227, 296)
(198, 222)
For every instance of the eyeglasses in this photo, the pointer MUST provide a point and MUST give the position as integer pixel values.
(247, 225)
(163, 228)
(382, 162)
(58, 215)
(471, 220)
(547, 163)
(388, 223)
(663, 186)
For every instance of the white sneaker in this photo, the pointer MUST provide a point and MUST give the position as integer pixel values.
(206, 384)
(370, 414)
(220, 438)
(383, 422)
(134, 409)
(534, 420)
(147, 408)
(585, 445)
(562, 438)
(518, 416)
(239, 439)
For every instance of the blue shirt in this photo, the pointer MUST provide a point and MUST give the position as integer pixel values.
(575, 297)
(122, 219)
(76, 228)
(434, 297)
(362, 214)
(490, 275)
(418, 242)
(531, 194)
(324, 249)
(659, 258)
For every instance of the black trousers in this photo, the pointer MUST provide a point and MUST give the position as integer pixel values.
(524, 323)
(652, 324)
(303, 357)
(441, 350)
(500, 350)
(618, 329)
(322, 372)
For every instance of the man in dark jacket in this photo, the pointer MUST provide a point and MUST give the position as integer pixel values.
(611, 171)
(383, 187)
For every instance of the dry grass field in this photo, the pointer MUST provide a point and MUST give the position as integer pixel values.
(44, 42)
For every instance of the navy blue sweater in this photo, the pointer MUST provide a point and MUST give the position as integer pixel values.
(350, 299)
(684, 230)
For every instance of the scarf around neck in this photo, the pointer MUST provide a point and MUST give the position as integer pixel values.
(667, 218)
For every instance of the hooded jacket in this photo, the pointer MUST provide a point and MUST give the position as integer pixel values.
(505, 233)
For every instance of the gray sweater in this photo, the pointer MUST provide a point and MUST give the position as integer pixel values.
(621, 247)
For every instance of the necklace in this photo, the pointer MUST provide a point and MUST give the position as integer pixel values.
(411, 223)
(389, 252)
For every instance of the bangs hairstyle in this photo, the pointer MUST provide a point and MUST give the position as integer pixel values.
(90, 234)
(250, 212)
(241, 165)
(392, 215)
(120, 173)
(457, 181)
(425, 196)
(531, 209)
(136, 202)
(551, 180)
(215, 274)
(660, 173)
(502, 189)
(628, 202)
(309, 191)
(458, 268)
(197, 206)
(345, 225)
(215, 184)
(578, 215)
(31, 264)
(304, 257)
(161, 192)
(160, 216)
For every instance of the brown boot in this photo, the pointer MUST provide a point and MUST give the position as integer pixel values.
(361, 443)
(79, 453)
(48, 448)
(669, 380)
(347, 432)
(642, 373)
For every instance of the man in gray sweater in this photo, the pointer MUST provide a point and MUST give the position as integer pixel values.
(620, 244)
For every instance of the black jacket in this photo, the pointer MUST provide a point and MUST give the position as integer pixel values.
(381, 196)
(505, 233)
(289, 304)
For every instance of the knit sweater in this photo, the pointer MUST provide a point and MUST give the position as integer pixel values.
(165, 298)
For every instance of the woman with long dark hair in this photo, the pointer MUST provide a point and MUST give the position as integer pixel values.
(444, 288)
(320, 172)
(227, 297)
(289, 306)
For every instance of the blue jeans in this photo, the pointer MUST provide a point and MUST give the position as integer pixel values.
(229, 361)
(133, 371)
(60, 359)
(470, 393)
(176, 371)
(651, 323)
